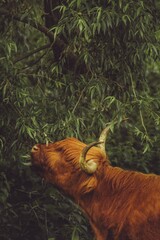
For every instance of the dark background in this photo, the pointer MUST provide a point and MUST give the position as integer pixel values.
(69, 68)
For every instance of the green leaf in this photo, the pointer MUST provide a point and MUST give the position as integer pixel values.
(75, 235)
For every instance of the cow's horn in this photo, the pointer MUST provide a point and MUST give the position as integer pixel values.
(89, 166)
(102, 139)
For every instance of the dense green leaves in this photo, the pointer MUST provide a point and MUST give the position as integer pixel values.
(69, 71)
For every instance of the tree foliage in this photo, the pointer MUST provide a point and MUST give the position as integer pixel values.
(68, 68)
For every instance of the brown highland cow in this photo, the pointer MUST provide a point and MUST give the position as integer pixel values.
(120, 204)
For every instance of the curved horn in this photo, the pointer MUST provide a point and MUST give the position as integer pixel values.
(90, 166)
(102, 138)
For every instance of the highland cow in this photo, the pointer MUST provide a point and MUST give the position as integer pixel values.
(120, 204)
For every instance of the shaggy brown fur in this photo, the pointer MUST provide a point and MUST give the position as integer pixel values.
(120, 205)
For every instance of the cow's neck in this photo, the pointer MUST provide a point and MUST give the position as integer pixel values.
(102, 206)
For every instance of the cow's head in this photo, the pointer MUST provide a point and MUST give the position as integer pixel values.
(69, 164)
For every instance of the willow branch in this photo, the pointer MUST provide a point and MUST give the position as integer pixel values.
(58, 45)
(32, 52)
(36, 25)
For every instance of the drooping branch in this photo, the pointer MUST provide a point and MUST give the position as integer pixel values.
(31, 53)
(36, 25)
(32, 23)
(58, 44)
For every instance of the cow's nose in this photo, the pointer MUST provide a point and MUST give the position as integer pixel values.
(35, 148)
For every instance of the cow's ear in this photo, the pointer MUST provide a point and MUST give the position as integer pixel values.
(88, 185)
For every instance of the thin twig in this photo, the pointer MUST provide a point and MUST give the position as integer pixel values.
(78, 100)
(36, 25)
(31, 63)
(31, 53)
(142, 121)
(58, 44)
